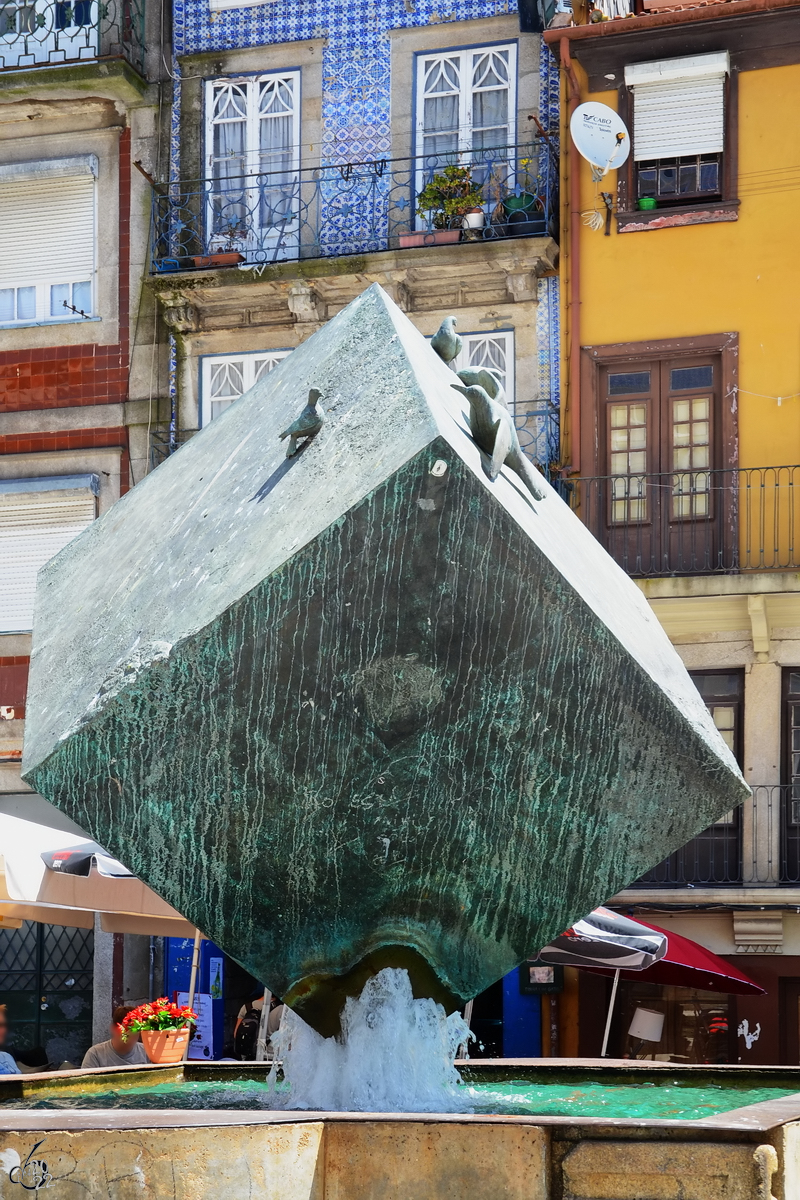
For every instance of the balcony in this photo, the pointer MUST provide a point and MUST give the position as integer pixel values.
(51, 33)
(758, 845)
(254, 220)
(695, 523)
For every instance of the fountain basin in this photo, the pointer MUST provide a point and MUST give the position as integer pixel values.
(179, 1154)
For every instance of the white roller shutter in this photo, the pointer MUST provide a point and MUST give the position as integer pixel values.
(38, 517)
(55, 201)
(678, 106)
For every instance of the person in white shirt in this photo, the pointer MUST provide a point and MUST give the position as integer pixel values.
(116, 1052)
(7, 1064)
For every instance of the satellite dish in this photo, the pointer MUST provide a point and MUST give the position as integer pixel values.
(600, 135)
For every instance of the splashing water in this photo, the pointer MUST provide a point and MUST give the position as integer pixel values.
(394, 1054)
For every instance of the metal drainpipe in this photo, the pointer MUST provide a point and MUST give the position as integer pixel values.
(574, 300)
(151, 975)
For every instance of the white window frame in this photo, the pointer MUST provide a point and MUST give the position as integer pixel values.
(461, 62)
(278, 242)
(474, 347)
(254, 364)
(38, 171)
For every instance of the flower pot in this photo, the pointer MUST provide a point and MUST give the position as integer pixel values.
(165, 1045)
(526, 223)
(230, 258)
(648, 203)
(474, 220)
(429, 237)
(523, 200)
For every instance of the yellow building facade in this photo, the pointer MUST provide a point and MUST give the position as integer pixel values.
(681, 445)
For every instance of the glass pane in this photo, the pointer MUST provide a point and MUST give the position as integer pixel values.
(668, 181)
(699, 457)
(684, 378)
(681, 410)
(637, 414)
(700, 409)
(26, 303)
(630, 382)
(712, 685)
(59, 299)
(794, 688)
(82, 296)
(723, 716)
(688, 177)
(219, 406)
(638, 437)
(647, 181)
(682, 459)
(709, 177)
(6, 304)
(619, 439)
(682, 435)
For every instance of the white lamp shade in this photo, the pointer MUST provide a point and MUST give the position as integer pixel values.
(647, 1025)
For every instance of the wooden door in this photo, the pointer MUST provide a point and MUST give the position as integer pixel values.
(665, 502)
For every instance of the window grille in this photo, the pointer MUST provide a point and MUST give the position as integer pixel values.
(226, 377)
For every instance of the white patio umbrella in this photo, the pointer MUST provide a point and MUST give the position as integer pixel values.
(607, 939)
(30, 890)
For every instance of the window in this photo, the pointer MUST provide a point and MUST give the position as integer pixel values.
(715, 855)
(679, 127)
(492, 350)
(723, 693)
(50, 277)
(226, 377)
(466, 100)
(790, 816)
(38, 517)
(659, 446)
(659, 421)
(466, 107)
(253, 156)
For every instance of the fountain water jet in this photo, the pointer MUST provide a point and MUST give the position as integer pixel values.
(395, 1053)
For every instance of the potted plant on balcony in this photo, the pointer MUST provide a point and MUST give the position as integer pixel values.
(521, 211)
(445, 201)
(164, 1028)
(225, 253)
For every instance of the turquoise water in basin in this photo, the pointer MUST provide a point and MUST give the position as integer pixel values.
(644, 1101)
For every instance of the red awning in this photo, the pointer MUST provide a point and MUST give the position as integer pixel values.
(688, 964)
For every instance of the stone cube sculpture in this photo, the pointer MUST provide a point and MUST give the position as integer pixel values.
(363, 706)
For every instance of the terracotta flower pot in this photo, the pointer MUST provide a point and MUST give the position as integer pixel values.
(224, 259)
(430, 237)
(165, 1045)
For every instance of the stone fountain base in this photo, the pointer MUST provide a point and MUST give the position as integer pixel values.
(206, 1155)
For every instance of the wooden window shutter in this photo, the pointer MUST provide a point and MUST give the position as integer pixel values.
(38, 517)
(678, 106)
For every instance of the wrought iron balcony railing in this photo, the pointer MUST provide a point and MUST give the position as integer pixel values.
(695, 522)
(50, 32)
(758, 845)
(355, 208)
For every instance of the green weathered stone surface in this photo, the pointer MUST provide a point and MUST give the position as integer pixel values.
(346, 702)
